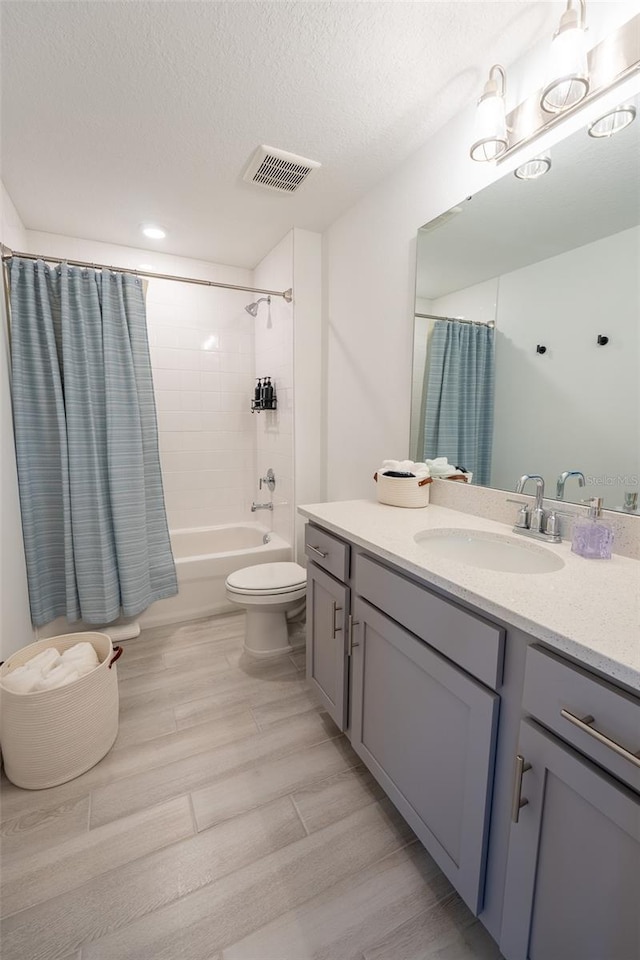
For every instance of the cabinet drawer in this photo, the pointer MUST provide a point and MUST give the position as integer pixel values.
(473, 643)
(552, 686)
(327, 551)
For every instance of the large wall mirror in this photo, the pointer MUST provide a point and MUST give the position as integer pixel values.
(542, 377)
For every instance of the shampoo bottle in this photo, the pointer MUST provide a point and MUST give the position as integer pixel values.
(592, 536)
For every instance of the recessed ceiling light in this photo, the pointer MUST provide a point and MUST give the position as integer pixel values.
(613, 121)
(533, 169)
(153, 231)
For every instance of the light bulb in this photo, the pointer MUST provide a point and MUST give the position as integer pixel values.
(613, 121)
(568, 70)
(490, 140)
(533, 169)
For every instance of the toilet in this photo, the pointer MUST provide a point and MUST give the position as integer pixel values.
(270, 594)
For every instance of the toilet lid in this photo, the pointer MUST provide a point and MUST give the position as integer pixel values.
(268, 578)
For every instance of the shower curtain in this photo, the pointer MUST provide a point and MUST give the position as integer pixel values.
(458, 406)
(93, 515)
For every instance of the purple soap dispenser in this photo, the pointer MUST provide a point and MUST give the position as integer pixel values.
(592, 536)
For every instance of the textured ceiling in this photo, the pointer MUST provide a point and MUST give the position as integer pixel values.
(115, 113)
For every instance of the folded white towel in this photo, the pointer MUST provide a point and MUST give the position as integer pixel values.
(440, 467)
(59, 676)
(81, 657)
(44, 661)
(21, 680)
(419, 470)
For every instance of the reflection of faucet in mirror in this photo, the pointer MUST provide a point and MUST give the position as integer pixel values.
(562, 479)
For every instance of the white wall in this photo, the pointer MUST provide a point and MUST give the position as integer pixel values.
(201, 341)
(422, 328)
(15, 621)
(586, 415)
(370, 280)
(308, 374)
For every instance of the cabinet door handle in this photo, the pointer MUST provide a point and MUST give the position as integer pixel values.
(334, 609)
(352, 643)
(518, 800)
(584, 724)
(318, 552)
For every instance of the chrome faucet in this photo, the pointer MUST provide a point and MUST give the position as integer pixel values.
(536, 523)
(562, 479)
(261, 506)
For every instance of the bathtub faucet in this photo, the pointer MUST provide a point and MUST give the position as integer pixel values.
(261, 506)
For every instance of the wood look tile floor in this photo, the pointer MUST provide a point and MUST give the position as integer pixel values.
(231, 821)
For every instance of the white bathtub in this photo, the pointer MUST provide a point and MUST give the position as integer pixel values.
(205, 556)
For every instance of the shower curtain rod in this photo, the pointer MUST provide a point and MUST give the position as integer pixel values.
(474, 323)
(8, 253)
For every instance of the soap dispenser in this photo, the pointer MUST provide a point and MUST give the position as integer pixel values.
(592, 536)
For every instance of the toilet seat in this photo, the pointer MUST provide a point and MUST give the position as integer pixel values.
(268, 579)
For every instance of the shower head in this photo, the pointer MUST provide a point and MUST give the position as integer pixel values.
(252, 308)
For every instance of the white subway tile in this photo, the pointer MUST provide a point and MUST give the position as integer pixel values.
(166, 379)
(167, 400)
(210, 381)
(190, 400)
(209, 361)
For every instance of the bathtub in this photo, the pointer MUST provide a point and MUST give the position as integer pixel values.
(205, 556)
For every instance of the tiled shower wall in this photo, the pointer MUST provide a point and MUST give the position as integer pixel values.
(202, 352)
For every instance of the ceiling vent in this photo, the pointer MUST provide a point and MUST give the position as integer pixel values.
(278, 170)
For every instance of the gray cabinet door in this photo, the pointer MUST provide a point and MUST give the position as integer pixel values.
(573, 873)
(426, 730)
(327, 618)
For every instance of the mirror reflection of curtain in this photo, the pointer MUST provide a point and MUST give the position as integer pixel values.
(93, 514)
(459, 388)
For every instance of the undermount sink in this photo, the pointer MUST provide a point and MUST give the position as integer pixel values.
(489, 551)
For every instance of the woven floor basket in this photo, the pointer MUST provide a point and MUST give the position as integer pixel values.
(52, 736)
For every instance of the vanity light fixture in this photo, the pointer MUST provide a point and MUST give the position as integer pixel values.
(491, 140)
(612, 122)
(568, 69)
(153, 231)
(534, 169)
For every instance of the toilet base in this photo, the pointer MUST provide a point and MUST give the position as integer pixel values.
(266, 634)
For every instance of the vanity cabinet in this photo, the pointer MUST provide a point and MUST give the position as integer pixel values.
(573, 871)
(573, 874)
(328, 608)
(426, 731)
(440, 702)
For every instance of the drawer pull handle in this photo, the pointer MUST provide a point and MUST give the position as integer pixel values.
(584, 724)
(317, 551)
(352, 643)
(334, 609)
(518, 800)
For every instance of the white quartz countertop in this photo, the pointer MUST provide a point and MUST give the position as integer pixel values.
(590, 609)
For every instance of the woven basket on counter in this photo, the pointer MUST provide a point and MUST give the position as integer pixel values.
(402, 491)
(51, 736)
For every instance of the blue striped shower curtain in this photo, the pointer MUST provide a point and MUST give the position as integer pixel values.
(458, 407)
(93, 515)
